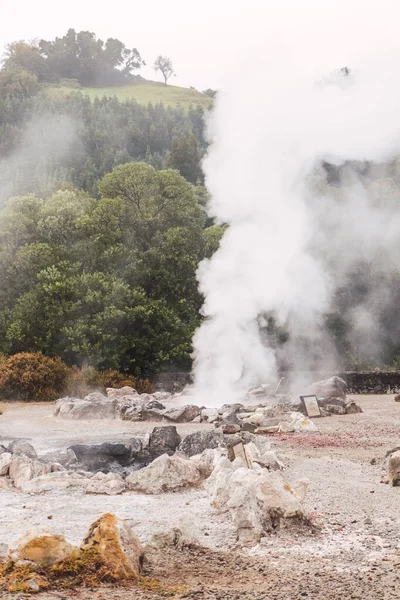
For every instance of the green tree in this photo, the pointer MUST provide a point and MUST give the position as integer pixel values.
(185, 157)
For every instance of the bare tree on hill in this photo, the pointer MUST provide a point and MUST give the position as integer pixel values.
(164, 64)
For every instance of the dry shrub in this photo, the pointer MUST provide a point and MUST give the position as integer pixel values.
(32, 377)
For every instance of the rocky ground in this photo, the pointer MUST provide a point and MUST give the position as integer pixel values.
(352, 551)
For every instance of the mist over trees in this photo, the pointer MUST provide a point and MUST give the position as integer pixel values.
(103, 222)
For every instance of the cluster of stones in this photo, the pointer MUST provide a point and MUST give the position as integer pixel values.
(262, 412)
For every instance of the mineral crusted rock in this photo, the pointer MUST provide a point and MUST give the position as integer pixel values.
(118, 546)
(42, 547)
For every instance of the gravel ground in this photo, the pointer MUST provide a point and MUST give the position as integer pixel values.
(353, 553)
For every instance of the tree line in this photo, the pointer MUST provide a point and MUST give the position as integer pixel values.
(75, 56)
(109, 281)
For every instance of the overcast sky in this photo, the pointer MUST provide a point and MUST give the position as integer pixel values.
(206, 38)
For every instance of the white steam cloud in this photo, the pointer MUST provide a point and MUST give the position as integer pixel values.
(294, 240)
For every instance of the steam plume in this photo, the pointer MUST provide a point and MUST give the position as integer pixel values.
(293, 240)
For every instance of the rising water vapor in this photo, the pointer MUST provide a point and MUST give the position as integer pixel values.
(294, 241)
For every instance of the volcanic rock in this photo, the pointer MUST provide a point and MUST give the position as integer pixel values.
(119, 548)
(164, 440)
(22, 448)
(105, 456)
(197, 442)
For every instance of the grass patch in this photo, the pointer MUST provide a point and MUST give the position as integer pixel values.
(143, 93)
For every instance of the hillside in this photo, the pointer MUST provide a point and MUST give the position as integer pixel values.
(144, 93)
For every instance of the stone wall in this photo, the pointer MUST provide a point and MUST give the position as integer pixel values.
(358, 383)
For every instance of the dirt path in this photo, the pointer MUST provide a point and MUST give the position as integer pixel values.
(354, 554)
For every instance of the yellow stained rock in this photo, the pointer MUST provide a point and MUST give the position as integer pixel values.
(119, 548)
(42, 547)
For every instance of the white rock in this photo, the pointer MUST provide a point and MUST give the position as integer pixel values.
(23, 469)
(297, 422)
(165, 474)
(93, 406)
(257, 500)
(5, 461)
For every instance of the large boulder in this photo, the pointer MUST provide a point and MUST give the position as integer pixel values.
(165, 474)
(102, 457)
(5, 462)
(335, 387)
(164, 440)
(197, 442)
(119, 548)
(93, 406)
(23, 469)
(22, 448)
(42, 547)
(257, 500)
(394, 468)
